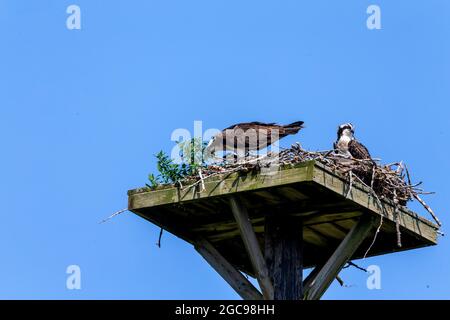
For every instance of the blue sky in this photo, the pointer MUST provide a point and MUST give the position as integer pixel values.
(82, 113)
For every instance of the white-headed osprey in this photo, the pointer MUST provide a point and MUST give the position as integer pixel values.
(347, 144)
(250, 136)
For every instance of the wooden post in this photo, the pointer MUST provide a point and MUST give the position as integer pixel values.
(252, 246)
(229, 273)
(339, 258)
(284, 255)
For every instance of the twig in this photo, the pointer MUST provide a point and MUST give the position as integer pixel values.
(372, 180)
(350, 184)
(341, 282)
(350, 263)
(201, 179)
(427, 207)
(415, 195)
(374, 238)
(113, 215)
(159, 239)
(397, 220)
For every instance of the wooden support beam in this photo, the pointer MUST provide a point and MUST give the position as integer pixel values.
(252, 246)
(312, 275)
(229, 273)
(284, 255)
(317, 287)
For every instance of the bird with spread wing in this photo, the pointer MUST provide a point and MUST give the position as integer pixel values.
(250, 136)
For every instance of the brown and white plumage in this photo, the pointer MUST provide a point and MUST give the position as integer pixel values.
(347, 144)
(251, 136)
(358, 150)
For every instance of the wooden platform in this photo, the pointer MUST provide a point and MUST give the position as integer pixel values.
(309, 191)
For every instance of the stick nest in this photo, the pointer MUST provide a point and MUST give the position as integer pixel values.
(390, 182)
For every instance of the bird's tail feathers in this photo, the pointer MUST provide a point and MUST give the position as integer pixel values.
(294, 126)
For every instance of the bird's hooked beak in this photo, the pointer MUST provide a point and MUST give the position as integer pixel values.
(352, 128)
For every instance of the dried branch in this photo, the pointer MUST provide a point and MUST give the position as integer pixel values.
(341, 282)
(350, 177)
(159, 238)
(352, 264)
(427, 207)
(374, 238)
(113, 215)
(201, 179)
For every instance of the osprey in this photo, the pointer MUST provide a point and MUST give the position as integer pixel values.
(347, 144)
(250, 136)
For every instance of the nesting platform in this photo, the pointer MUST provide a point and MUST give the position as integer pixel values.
(326, 223)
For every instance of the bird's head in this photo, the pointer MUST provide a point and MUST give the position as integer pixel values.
(346, 129)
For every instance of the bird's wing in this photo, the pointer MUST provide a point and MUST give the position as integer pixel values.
(358, 150)
(259, 133)
(251, 125)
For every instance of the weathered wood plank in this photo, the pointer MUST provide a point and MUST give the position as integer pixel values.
(359, 194)
(225, 225)
(267, 197)
(312, 213)
(292, 194)
(339, 258)
(227, 185)
(284, 255)
(329, 231)
(218, 232)
(231, 234)
(252, 246)
(330, 217)
(229, 273)
(312, 237)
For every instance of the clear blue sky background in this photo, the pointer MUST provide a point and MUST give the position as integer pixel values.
(83, 112)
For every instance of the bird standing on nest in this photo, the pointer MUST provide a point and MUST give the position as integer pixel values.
(250, 136)
(346, 143)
